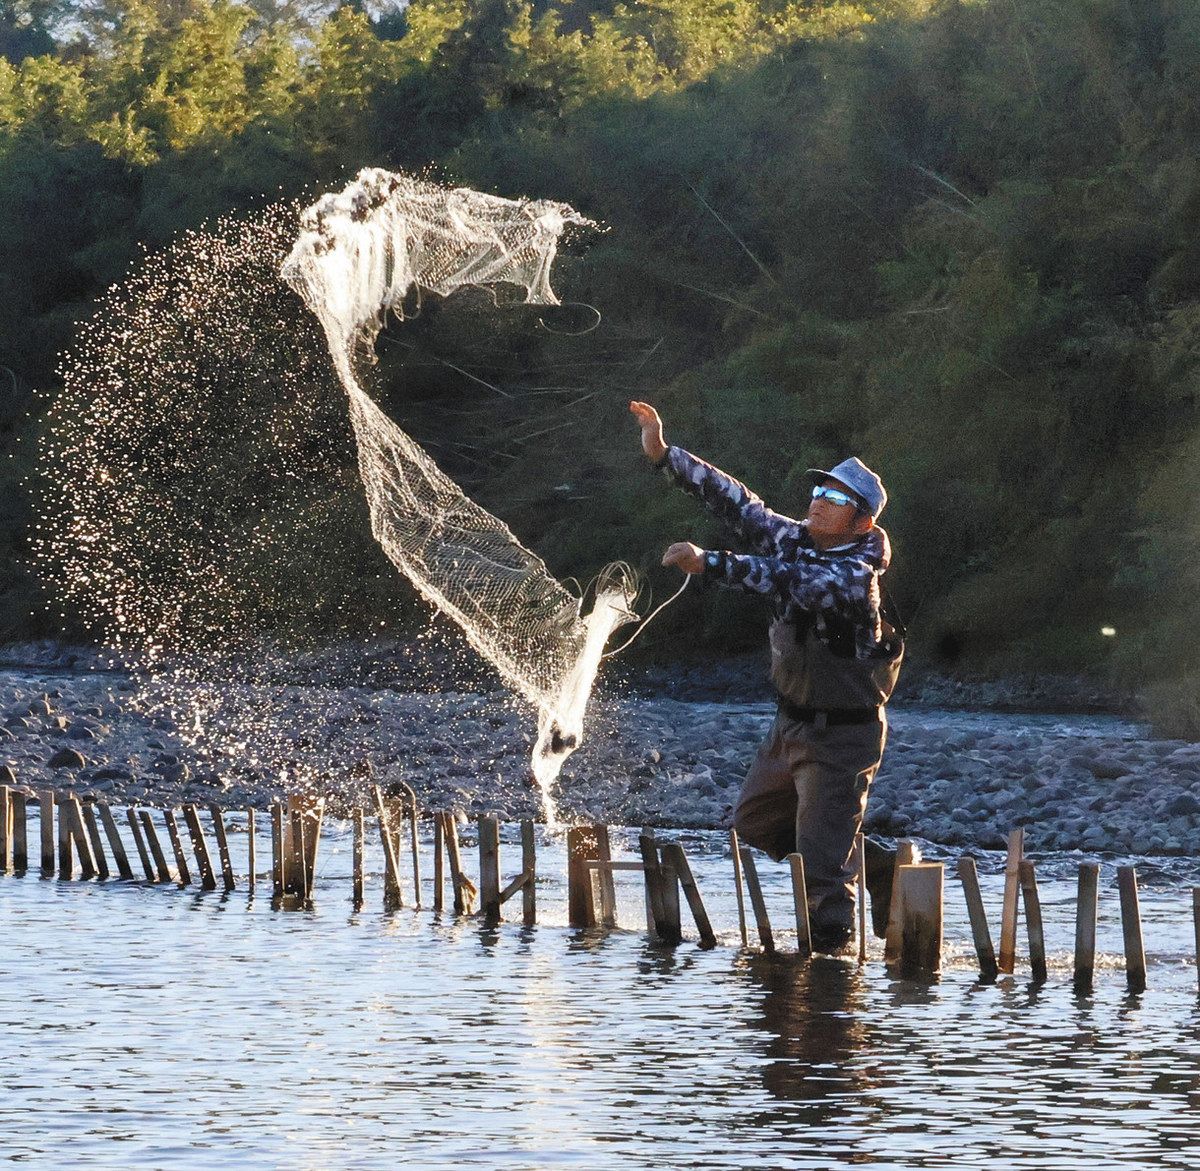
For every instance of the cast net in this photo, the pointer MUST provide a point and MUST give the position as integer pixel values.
(361, 252)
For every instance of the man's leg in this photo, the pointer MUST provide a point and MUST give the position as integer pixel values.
(832, 776)
(765, 815)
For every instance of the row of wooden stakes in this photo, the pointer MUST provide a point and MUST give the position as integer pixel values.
(913, 944)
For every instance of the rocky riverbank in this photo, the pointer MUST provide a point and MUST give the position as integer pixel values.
(1092, 782)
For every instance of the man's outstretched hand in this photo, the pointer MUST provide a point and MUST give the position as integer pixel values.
(652, 429)
(686, 556)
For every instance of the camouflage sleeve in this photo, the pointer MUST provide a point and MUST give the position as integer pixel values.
(845, 585)
(730, 501)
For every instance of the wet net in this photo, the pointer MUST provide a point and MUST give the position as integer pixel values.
(360, 254)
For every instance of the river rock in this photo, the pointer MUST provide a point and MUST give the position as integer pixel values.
(67, 758)
(1184, 805)
(7, 775)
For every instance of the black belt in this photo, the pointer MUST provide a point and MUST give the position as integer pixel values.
(827, 717)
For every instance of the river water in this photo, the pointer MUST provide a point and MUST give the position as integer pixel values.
(149, 1026)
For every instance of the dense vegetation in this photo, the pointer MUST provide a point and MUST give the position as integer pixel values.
(957, 239)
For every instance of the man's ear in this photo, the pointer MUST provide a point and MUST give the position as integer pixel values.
(863, 524)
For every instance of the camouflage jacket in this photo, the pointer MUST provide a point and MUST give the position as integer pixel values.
(783, 562)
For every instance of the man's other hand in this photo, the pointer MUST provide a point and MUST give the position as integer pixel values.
(685, 555)
(652, 429)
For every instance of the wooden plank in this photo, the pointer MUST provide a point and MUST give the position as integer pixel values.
(860, 855)
(413, 839)
(313, 824)
(529, 870)
(298, 859)
(218, 820)
(519, 883)
(191, 816)
(278, 853)
(674, 855)
(921, 913)
(162, 870)
(489, 868)
(622, 864)
(439, 861)
(46, 828)
(757, 901)
(1012, 888)
(980, 933)
(581, 847)
(907, 854)
(800, 902)
(120, 857)
(1131, 929)
(360, 831)
(1086, 907)
(185, 875)
(251, 855)
(735, 850)
(140, 842)
(392, 894)
(92, 825)
(20, 831)
(1033, 923)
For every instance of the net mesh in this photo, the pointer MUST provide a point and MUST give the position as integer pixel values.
(360, 253)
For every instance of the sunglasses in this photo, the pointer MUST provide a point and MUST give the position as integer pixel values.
(833, 496)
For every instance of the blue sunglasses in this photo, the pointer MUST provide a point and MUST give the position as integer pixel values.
(833, 496)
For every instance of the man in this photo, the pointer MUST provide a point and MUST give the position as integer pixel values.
(834, 661)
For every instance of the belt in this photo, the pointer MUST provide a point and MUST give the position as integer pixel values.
(827, 717)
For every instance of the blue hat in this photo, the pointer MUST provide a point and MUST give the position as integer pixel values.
(859, 478)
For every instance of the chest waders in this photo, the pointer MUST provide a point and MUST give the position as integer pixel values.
(806, 791)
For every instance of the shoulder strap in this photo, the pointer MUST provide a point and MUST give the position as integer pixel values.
(889, 612)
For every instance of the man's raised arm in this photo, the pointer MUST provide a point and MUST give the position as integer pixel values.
(726, 498)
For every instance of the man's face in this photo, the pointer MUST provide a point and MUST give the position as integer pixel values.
(832, 524)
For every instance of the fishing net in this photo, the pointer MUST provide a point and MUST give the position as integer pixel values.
(361, 253)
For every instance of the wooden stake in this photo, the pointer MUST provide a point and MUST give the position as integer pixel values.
(907, 854)
(1086, 908)
(657, 923)
(66, 858)
(582, 847)
(5, 829)
(298, 861)
(464, 889)
(278, 854)
(20, 832)
(156, 850)
(360, 832)
(529, 869)
(46, 827)
(603, 879)
(439, 861)
(1196, 925)
(185, 875)
(1033, 923)
(1131, 927)
(114, 841)
(921, 913)
(735, 851)
(669, 879)
(800, 900)
(79, 837)
(489, 869)
(757, 901)
(251, 859)
(674, 856)
(314, 820)
(1012, 886)
(982, 936)
(860, 854)
(414, 842)
(94, 840)
(191, 818)
(140, 841)
(392, 894)
(218, 820)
